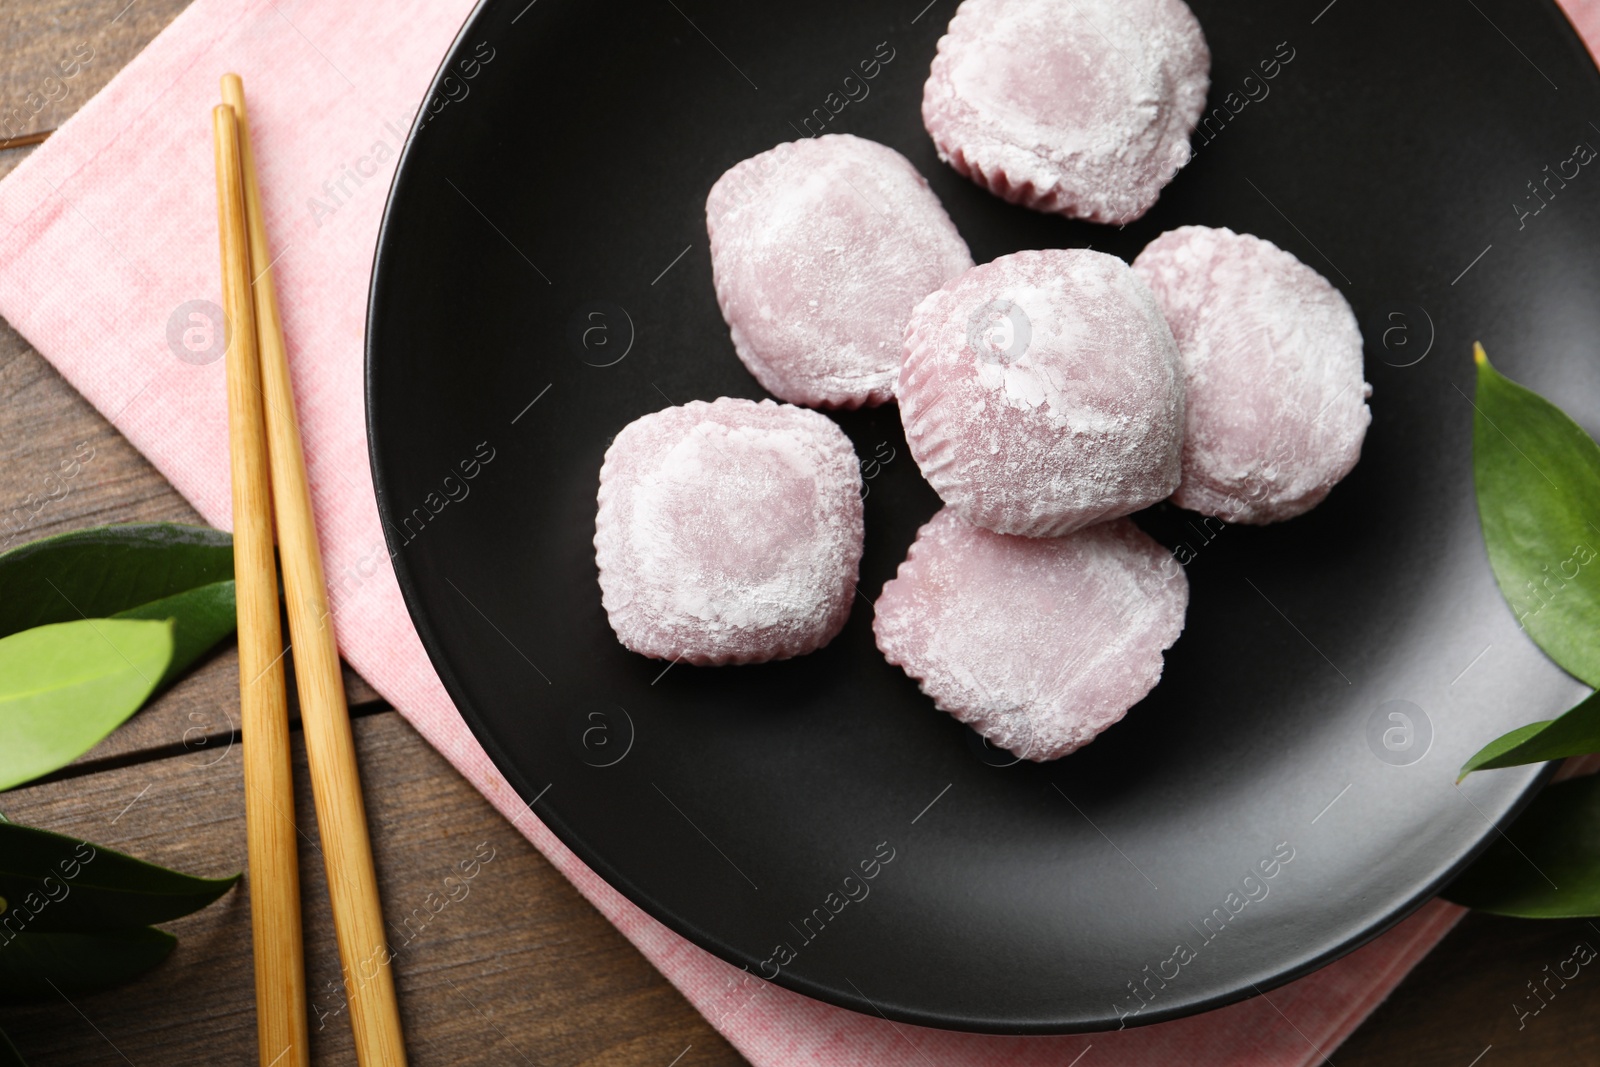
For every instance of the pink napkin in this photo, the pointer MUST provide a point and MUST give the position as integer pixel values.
(108, 259)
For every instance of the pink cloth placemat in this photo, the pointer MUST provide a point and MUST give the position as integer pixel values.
(107, 232)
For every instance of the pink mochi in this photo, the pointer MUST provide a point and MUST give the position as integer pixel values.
(1041, 393)
(728, 532)
(1272, 363)
(1082, 107)
(819, 250)
(1039, 644)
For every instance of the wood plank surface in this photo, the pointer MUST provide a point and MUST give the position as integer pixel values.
(520, 969)
(1472, 997)
(499, 960)
(59, 53)
(43, 422)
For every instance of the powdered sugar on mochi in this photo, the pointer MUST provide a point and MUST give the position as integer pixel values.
(1082, 108)
(728, 532)
(819, 250)
(1041, 393)
(1272, 359)
(1037, 643)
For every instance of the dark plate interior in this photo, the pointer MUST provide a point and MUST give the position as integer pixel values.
(564, 176)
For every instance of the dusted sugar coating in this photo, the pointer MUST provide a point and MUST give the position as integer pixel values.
(819, 250)
(1041, 393)
(728, 532)
(1037, 643)
(1082, 107)
(1272, 364)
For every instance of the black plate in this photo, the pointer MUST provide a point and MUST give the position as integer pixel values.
(559, 189)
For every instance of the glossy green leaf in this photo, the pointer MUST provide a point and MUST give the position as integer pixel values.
(98, 572)
(1576, 733)
(1538, 482)
(201, 617)
(9, 1056)
(1547, 863)
(65, 686)
(1496, 752)
(40, 964)
(52, 882)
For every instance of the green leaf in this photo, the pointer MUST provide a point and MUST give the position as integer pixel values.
(39, 964)
(1538, 482)
(1576, 733)
(201, 617)
(52, 882)
(1547, 863)
(1495, 753)
(98, 572)
(65, 686)
(9, 1056)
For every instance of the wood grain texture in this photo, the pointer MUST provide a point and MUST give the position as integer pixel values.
(59, 54)
(1472, 993)
(499, 960)
(275, 937)
(43, 421)
(324, 716)
(523, 970)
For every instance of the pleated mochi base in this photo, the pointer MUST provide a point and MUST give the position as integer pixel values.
(1039, 644)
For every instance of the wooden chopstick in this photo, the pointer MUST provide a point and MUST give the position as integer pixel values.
(324, 716)
(269, 792)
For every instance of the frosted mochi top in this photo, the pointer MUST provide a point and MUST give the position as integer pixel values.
(1038, 643)
(819, 250)
(1041, 393)
(1082, 107)
(1272, 359)
(728, 532)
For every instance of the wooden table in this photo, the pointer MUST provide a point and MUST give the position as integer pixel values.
(521, 970)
